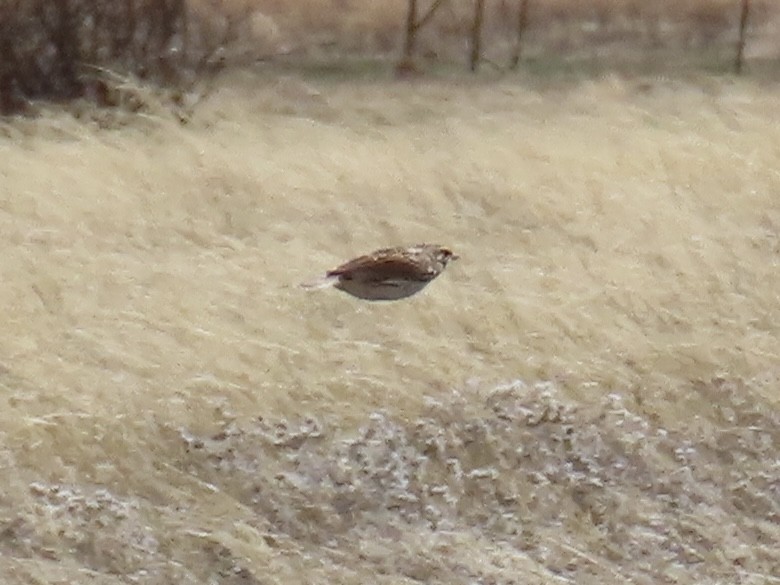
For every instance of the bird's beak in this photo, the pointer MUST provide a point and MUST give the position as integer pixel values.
(454, 257)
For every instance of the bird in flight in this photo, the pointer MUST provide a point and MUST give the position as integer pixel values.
(388, 274)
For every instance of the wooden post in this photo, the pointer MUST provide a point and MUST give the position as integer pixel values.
(410, 33)
(522, 24)
(476, 34)
(413, 24)
(743, 18)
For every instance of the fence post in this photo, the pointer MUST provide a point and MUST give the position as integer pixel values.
(522, 23)
(743, 18)
(476, 34)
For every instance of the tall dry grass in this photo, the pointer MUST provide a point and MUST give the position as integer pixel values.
(589, 395)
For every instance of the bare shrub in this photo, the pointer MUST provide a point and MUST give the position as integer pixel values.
(60, 51)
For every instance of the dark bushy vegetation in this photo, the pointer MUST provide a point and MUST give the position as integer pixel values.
(60, 51)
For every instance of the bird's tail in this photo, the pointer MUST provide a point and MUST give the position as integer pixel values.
(320, 282)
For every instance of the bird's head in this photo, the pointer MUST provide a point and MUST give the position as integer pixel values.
(445, 255)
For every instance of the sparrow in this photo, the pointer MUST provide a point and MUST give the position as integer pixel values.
(388, 274)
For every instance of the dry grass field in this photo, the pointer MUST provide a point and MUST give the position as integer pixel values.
(590, 395)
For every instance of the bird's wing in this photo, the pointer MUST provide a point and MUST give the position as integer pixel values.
(375, 267)
(362, 261)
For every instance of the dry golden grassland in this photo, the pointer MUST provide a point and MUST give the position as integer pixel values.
(590, 395)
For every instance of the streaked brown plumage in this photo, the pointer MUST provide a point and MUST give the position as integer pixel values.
(388, 274)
